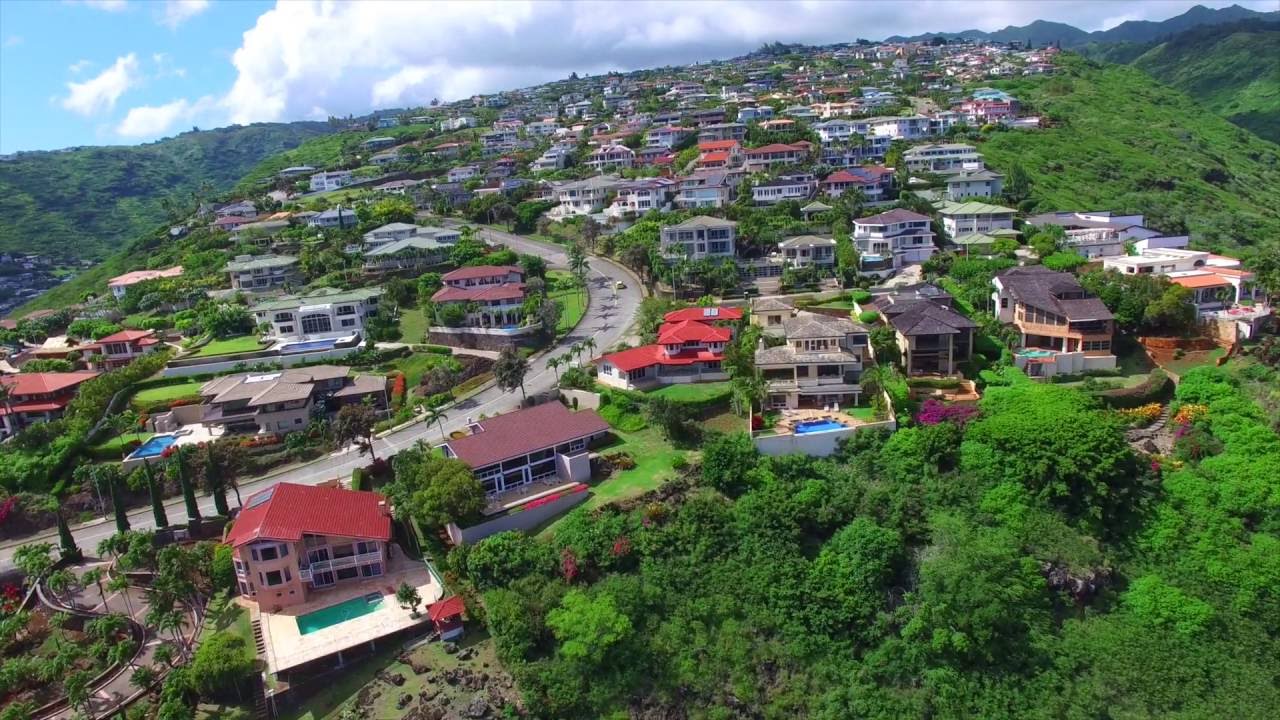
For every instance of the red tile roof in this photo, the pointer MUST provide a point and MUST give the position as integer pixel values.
(30, 407)
(715, 145)
(702, 314)
(45, 382)
(289, 510)
(505, 291)
(126, 336)
(521, 432)
(775, 148)
(692, 331)
(451, 606)
(714, 157)
(649, 355)
(480, 271)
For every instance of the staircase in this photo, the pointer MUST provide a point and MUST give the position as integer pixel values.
(1154, 432)
(261, 711)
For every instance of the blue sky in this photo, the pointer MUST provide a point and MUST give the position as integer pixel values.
(97, 72)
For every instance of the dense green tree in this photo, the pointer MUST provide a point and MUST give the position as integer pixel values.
(588, 626)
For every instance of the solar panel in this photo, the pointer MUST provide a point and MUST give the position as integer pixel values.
(710, 312)
(260, 498)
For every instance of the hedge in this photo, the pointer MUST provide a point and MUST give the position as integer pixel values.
(861, 297)
(437, 349)
(357, 479)
(868, 317)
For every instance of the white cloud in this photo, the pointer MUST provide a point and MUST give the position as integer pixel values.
(151, 121)
(79, 66)
(354, 57)
(177, 12)
(101, 92)
(106, 5)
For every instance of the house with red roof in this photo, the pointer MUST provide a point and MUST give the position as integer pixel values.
(719, 154)
(120, 349)
(119, 285)
(874, 181)
(776, 154)
(37, 397)
(689, 349)
(290, 540)
(492, 295)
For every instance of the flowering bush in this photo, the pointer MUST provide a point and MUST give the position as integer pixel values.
(568, 565)
(1142, 415)
(183, 401)
(260, 441)
(10, 599)
(6, 507)
(935, 411)
(1190, 413)
(621, 547)
(397, 390)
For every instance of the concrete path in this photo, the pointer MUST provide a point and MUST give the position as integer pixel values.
(609, 316)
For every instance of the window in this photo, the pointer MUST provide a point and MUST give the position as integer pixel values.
(239, 567)
(366, 547)
(244, 588)
(316, 324)
(274, 578)
(346, 310)
(284, 317)
(286, 329)
(371, 570)
(347, 322)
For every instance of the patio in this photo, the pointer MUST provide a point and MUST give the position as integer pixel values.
(507, 499)
(286, 647)
(788, 419)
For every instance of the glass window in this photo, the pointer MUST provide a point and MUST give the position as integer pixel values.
(268, 553)
(316, 324)
(274, 578)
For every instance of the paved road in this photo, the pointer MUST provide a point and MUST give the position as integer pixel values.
(609, 316)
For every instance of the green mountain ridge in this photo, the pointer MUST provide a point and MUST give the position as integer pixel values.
(84, 203)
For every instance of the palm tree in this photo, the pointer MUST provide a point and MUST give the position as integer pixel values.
(120, 584)
(510, 370)
(435, 416)
(589, 347)
(576, 349)
(555, 363)
(748, 390)
(95, 576)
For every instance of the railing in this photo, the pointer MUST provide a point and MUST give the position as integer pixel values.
(305, 573)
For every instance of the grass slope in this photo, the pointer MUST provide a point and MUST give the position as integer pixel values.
(84, 202)
(1123, 142)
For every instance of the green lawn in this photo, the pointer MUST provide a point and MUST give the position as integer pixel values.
(1194, 359)
(413, 325)
(244, 343)
(694, 392)
(416, 365)
(866, 414)
(838, 305)
(167, 392)
(573, 301)
(117, 443)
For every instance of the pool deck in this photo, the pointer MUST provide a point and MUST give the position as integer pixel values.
(286, 647)
(790, 418)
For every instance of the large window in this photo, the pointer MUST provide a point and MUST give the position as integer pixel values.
(273, 578)
(284, 317)
(316, 324)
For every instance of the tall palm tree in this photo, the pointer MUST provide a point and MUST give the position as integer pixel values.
(589, 346)
(576, 349)
(435, 416)
(555, 363)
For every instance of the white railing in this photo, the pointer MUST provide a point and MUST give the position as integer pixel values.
(305, 574)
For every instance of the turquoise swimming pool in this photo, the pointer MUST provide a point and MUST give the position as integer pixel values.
(340, 613)
(813, 426)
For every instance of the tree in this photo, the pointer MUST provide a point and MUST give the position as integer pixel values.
(533, 266)
(589, 346)
(578, 264)
(588, 626)
(222, 663)
(555, 363)
(112, 480)
(180, 465)
(727, 461)
(510, 370)
(1265, 265)
(1017, 185)
(435, 416)
(66, 541)
(408, 597)
(849, 574)
(549, 313)
(221, 462)
(77, 687)
(670, 417)
(434, 490)
(428, 284)
(96, 575)
(157, 500)
(355, 424)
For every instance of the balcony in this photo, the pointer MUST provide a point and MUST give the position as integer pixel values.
(305, 573)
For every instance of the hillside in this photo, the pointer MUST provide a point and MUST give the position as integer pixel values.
(1042, 32)
(83, 203)
(1120, 141)
(1233, 70)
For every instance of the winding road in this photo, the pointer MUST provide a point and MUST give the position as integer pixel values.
(609, 316)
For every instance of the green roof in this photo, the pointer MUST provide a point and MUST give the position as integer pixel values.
(1006, 232)
(974, 239)
(260, 262)
(320, 295)
(973, 208)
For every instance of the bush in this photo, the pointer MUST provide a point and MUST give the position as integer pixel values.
(861, 297)
(357, 479)
(868, 317)
(435, 349)
(223, 574)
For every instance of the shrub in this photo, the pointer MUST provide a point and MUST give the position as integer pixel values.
(861, 297)
(1142, 415)
(357, 479)
(867, 317)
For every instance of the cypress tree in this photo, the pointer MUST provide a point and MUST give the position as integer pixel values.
(157, 502)
(66, 542)
(188, 492)
(117, 505)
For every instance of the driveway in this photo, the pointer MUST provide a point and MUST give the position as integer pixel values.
(609, 316)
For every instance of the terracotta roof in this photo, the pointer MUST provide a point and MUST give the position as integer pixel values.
(649, 355)
(1200, 281)
(45, 382)
(505, 291)
(521, 432)
(775, 148)
(702, 314)
(692, 331)
(451, 606)
(30, 407)
(138, 276)
(285, 511)
(714, 157)
(480, 271)
(717, 145)
(126, 336)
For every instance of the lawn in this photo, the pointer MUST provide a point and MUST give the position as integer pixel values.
(167, 392)
(838, 305)
(573, 301)
(244, 343)
(1193, 359)
(694, 392)
(413, 325)
(415, 365)
(116, 443)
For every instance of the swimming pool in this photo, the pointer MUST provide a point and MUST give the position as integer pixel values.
(154, 446)
(340, 613)
(1035, 353)
(813, 426)
(308, 346)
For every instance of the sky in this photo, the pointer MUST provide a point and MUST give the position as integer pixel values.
(106, 72)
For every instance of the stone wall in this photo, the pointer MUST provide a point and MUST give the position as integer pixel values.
(482, 339)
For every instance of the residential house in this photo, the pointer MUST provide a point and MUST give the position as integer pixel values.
(492, 295)
(975, 217)
(555, 158)
(547, 442)
(454, 194)
(720, 154)
(932, 337)
(400, 246)
(607, 157)
(290, 540)
(499, 141)
(335, 217)
(820, 365)
(379, 143)
(665, 137)
(321, 314)
(771, 192)
(755, 114)
(447, 150)
(383, 159)
(771, 314)
(875, 182)
(286, 400)
(263, 273)
(654, 156)
(38, 397)
(241, 208)
(698, 238)
(1106, 234)
(776, 154)
(834, 130)
(231, 223)
(982, 112)
(583, 197)
(689, 349)
(462, 173)
(1216, 282)
(973, 183)
(542, 128)
(119, 285)
(1064, 330)
(705, 189)
(891, 240)
(809, 251)
(940, 157)
(722, 131)
(637, 197)
(709, 117)
(121, 348)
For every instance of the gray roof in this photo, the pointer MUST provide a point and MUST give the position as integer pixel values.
(261, 262)
(1041, 287)
(363, 385)
(316, 297)
(787, 355)
(923, 317)
(703, 221)
(416, 242)
(808, 325)
(973, 176)
(815, 206)
(807, 241)
(771, 304)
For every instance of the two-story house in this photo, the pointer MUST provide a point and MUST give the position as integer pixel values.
(689, 349)
(665, 137)
(975, 217)
(776, 155)
(583, 197)
(119, 285)
(1216, 282)
(286, 400)
(973, 183)
(290, 540)
(493, 295)
(932, 337)
(698, 238)
(820, 365)
(611, 156)
(121, 348)
(722, 131)
(891, 240)
(38, 397)
(263, 273)
(705, 189)
(941, 157)
(809, 251)
(771, 192)
(1064, 330)
(874, 181)
(324, 313)
(462, 173)
(398, 247)
(331, 180)
(335, 217)
(1106, 234)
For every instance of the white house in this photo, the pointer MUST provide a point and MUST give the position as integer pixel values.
(940, 157)
(775, 191)
(583, 197)
(809, 251)
(333, 180)
(1216, 282)
(973, 183)
(698, 238)
(975, 217)
(611, 157)
(891, 240)
(463, 173)
(322, 314)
